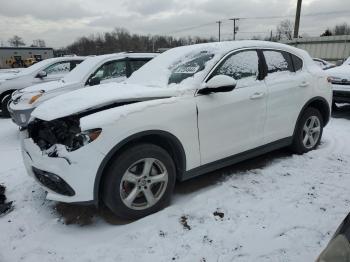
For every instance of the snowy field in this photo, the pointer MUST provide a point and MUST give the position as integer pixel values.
(278, 207)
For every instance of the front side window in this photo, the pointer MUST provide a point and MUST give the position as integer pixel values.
(189, 66)
(113, 69)
(277, 61)
(58, 68)
(240, 65)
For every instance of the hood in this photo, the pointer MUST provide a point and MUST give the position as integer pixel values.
(94, 97)
(47, 90)
(342, 71)
(8, 76)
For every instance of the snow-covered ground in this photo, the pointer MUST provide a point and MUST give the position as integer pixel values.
(278, 207)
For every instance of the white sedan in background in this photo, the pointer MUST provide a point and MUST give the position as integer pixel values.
(45, 71)
(93, 71)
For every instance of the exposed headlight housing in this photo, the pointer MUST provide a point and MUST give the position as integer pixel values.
(84, 138)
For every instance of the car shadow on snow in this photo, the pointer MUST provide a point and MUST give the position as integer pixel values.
(88, 215)
(209, 179)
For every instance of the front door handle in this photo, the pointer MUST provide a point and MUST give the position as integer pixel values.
(257, 95)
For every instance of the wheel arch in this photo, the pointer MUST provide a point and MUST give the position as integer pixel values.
(5, 93)
(164, 139)
(320, 104)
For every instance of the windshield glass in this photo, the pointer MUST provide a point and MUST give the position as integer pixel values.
(37, 66)
(187, 65)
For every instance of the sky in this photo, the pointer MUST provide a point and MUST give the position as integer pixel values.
(60, 23)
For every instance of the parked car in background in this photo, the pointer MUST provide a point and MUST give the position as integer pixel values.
(324, 64)
(340, 78)
(45, 71)
(189, 111)
(93, 71)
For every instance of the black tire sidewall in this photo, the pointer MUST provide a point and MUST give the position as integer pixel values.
(111, 185)
(4, 102)
(298, 145)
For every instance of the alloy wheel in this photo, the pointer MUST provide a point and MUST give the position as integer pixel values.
(311, 132)
(143, 183)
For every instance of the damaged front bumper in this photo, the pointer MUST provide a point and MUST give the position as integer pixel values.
(69, 178)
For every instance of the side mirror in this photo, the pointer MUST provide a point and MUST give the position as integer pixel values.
(41, 74)
(94, 81)
(219, 83)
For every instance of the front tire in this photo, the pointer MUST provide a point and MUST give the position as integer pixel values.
(4, 105)
(139, 182)
(308, 132)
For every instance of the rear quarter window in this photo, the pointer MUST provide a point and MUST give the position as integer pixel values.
(297, 62)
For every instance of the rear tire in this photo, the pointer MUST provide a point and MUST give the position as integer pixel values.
(4, 105)
(308, 131)
(139, 182)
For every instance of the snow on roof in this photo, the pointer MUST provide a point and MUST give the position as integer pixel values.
(157, 71)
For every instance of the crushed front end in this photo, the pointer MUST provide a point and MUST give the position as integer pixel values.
(62, 158)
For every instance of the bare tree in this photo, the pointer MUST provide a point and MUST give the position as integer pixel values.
(39, 43)
(285, 30)
(342, 29)
(328, 32)
(120, 40)
(16, 41)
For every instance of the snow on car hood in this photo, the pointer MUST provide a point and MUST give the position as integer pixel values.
(8, 76)
(342, 71)
(93, 97)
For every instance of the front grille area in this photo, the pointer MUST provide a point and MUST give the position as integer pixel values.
(53, 182)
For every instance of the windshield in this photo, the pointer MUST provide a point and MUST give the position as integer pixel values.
(187, 65)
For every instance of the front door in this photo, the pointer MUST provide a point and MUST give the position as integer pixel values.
(232, 122)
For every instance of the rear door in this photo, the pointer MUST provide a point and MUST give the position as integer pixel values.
(288, 86)
(232, 122)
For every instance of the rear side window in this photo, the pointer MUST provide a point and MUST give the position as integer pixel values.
(240, 65)
(136, 64)
(298, 63)
(278, 61)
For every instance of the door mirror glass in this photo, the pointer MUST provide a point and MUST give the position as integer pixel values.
(94, 81)
(219, 83)
(41, 74)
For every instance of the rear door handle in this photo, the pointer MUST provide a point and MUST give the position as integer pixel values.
(256, 95)
(304, 84)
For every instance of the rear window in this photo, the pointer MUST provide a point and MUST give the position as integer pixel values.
(298, 63)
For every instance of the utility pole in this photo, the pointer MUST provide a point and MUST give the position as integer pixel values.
(234, 27)
(297, 20)
(219, 23)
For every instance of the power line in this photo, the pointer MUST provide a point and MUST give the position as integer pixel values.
(258, 17)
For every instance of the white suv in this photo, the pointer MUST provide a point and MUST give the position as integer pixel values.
(189, 111)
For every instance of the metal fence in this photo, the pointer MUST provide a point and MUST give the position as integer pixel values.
(330, 48)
